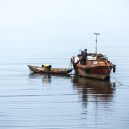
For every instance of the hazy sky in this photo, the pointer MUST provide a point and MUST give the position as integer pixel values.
(62, 22)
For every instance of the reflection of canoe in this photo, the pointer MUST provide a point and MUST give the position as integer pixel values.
(37, 69)
(47, 78)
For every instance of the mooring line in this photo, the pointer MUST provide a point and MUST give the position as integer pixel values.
(121, 84)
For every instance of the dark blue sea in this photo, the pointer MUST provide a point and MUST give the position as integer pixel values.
(36, 101)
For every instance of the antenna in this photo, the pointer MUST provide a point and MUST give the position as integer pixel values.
(96, 41)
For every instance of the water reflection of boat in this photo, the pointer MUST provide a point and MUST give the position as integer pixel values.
(94, 90)
(47, 78)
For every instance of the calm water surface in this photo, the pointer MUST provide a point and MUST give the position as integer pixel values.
(33, 101)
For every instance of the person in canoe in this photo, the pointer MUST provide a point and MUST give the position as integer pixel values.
(47, 67)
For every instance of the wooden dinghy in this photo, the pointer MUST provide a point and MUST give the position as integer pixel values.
(49, 70)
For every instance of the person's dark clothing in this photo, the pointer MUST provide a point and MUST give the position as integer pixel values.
(84, 57)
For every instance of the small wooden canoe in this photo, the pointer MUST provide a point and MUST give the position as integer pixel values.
(37, 69)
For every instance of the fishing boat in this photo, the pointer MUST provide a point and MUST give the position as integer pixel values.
(47, 69)
(92, 65)
(97, 66)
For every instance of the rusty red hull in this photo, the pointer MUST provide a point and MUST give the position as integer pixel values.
(101, 72)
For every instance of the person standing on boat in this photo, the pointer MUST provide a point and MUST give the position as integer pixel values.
(84, 57)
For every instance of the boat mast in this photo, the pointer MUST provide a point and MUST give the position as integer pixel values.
(96, 41)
